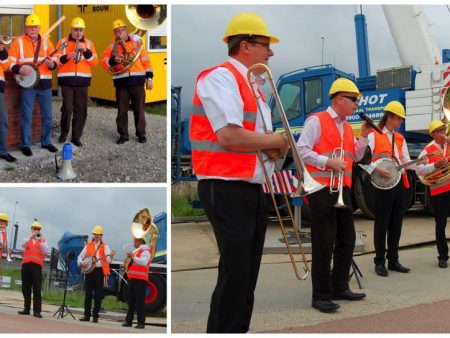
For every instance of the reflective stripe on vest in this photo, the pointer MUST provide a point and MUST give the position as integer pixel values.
(33, 253)
(26, 55)
(90, 252)
(70, 68)
(383, 149)
(436, 189)
(330, 139)
(208, 157)
(138, 271)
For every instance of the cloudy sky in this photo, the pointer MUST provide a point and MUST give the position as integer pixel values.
(79, 209)
(197, 32)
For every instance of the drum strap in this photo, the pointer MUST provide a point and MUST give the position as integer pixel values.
(36, 52)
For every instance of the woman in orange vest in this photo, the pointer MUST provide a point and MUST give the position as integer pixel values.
(226, 131)
(74, 76)
(137, 282)
(389, 204)
(129, 85)
(332, 231)
(99, 254)
(35, 248)
(4, 64)
(440, 192)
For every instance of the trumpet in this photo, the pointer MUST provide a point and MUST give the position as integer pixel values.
(307, 185)
(38, 236)
(5, 39)
(339, 185)
(77, 52)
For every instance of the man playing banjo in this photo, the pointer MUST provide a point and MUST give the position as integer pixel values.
(389, 203)
(32, 48)
(98, 253)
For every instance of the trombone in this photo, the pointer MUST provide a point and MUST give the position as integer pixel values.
(339, 185)
(307, 185)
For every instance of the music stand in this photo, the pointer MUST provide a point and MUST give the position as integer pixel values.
(65, 264)
(357, 273)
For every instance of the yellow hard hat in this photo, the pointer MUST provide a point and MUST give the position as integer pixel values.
(118, 23)
(98, 230)
(77, 23)
(248, 24)
(32, 20)
(4, 217)
(343, 85)
(396, 108)
(435, 124)
(36, 224)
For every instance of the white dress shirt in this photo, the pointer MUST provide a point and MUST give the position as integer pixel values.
(44, 245)
(223, 106)
(145, 256)
(98, 264)
(423, 169)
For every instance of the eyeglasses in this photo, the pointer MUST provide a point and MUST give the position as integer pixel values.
(35, 229)
(352, 98)
(264, 44)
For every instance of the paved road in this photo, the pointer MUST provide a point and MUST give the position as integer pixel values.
(109, 322)
(414, 302)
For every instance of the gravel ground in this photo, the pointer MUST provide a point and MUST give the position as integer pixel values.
(100, 159)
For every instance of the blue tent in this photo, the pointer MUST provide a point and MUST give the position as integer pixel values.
(70, 246)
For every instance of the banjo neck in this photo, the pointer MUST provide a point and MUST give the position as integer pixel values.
(401, 166)
(63, 45)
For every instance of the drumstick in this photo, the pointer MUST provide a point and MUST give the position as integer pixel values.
(52, 27)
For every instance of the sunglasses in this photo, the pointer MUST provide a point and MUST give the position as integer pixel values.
(352, 98)
(264, 44)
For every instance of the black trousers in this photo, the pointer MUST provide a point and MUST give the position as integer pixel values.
(389, 211)
(93, 284)
(332, 237)
(441, 207)
(32, 280)
(237, 211)
(73, 109)
(137, 96)
(136, 300)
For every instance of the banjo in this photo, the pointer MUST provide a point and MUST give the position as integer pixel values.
(384, 183)
(31, 79)
(88, 264)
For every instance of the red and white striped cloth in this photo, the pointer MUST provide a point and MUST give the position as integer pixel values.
(287, 178)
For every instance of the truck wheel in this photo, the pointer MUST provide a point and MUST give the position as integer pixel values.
(155, 294)
(363, 193)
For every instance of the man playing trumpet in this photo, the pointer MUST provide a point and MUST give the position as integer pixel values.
(74, 77)
(332, 231)
(35, 248)
(137, 282)
(129, 84)
(440, 192)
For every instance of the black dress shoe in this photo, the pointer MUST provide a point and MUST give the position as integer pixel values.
(77, 142)
(37, 315)
(121, 140)
(84, 319)
(24, 312)
(142, 139)
(127, 324)
(326, 306)
(27, 151)
(8, 158)
(348, 295)
(139, 326)
(380, 269)
(396, 266)
(442, 263)
(95, 319)
(62, 138)
(51, 148)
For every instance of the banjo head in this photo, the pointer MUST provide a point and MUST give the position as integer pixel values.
(382, 182)
(29, 80)
(89, 261)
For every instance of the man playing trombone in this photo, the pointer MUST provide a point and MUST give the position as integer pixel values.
(226, 131)
(328, 148)
(34, 250)
(439, 189)
(74, 77)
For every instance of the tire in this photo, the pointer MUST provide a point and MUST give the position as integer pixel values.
(155, 294)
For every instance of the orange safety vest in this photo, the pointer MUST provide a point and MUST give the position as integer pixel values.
(436, 189)
(139, 68)
(138, 271)
(33, 253)
(22, 51)
(83, 67)
(4, 65)
(208, 157)
(330, 139)
(90, 252)
(383, 149)
(4, 240)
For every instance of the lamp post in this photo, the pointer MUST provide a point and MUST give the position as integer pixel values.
(323, 42)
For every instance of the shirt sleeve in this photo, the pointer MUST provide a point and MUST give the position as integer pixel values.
(309, 137)
(221, 99)
(423, 169)
(143, 259)
(108, 252)
(44, 247)
(360, 148)
(81, 256)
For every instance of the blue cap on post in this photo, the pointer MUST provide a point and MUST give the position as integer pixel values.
(67, 151)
